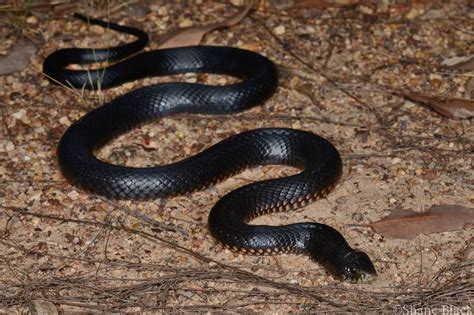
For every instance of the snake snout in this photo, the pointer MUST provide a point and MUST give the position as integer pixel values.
(356, 267)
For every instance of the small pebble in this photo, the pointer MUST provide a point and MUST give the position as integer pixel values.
(414, 13)
(64, 121)
(279, 30)
(396, 160)
(186, 23)
(32, 20)
(96, 29)
(74, 195)
(366, 10)
(9, 146)
(20, 115)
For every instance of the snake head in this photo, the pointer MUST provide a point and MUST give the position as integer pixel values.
(353, 266)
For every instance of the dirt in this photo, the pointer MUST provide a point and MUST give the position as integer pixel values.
(67, 249)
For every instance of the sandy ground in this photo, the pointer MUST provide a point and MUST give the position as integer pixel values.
(66, 249)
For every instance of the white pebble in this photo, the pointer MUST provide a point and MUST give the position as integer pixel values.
(279, 30)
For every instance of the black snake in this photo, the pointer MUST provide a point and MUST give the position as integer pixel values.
(319, 161)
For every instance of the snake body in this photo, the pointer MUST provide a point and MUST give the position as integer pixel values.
(318, 159)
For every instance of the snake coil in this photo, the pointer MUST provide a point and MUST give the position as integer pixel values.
(319, 161)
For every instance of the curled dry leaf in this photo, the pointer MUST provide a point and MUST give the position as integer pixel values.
(188, 36)
(18, 58)
(455, 108)
(439, 218)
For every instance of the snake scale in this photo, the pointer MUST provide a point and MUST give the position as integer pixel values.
(318, 159)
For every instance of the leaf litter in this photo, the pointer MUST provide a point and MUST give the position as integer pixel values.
(193, 35)
(456, 108)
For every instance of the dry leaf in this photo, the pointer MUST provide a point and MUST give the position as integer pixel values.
(189, 36)
(18, 58)
(439, 218)
(456, 108)
(460, 63)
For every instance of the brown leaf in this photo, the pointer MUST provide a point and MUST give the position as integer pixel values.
(439, 218)
(455, 108)
(189, 36)
(18, 58)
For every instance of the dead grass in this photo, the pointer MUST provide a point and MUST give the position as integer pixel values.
(96, 291)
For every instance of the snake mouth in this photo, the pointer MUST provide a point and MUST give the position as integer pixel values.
(358, 276)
